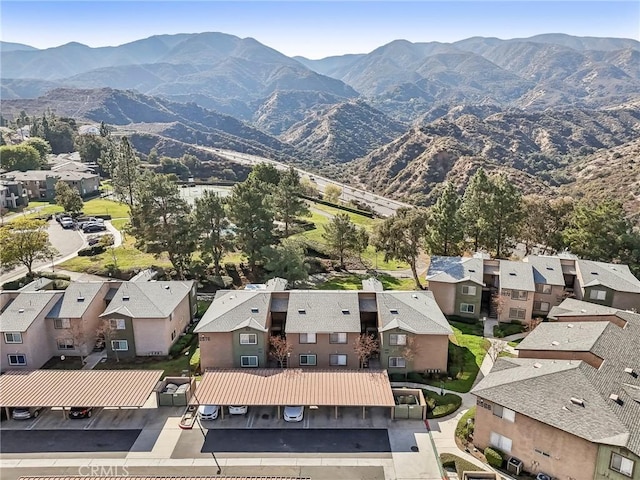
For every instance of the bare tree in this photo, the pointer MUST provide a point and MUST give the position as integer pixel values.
(281, 348)
(410, 350)
(107, 331)
(80, 339)
(495, 348)
(499, 303)
(365, 346)
(533, 323)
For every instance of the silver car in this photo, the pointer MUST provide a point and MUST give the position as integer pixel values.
(25, 413)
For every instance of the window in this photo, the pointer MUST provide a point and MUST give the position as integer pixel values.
(397, 339)
(61, 323)
(65, 344)
(517, 313)
(308, 360)
(307, 338)
(250, 361)
(467, 308)
(622, 464)
(397, 362)
(248, 339)
(468, 290)
(501, 442)
(117, 323)
(12, 337)
(543, 288)
(17, 359)
(504, 413)
(337, 360)
(598, 294)
(519, 295)
(338, 337)
(541, 306)
(119, 345)
(173, 335)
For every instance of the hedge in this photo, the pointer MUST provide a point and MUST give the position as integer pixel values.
(91, 251)
(493, 456)
(441, 405)
(181, 344)
(449, 460)
(397, 377)
(194, 361)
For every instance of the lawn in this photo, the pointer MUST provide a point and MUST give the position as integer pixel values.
(352, 281)
(470, 346)
(102, 206)
(515, 343)
(505, 329)
(441, 405)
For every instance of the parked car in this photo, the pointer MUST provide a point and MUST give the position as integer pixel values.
(208, 412)
(93, 227)
(25, 413)
(238, 410)
(80, 412)
(543, 476)
(85, 220)
(93, 241)
(67, 222)
(293, 414)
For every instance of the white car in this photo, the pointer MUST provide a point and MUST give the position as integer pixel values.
(208, 412)
(238, 409)
(293, 414)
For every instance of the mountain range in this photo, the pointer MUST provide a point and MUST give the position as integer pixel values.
(400, 119)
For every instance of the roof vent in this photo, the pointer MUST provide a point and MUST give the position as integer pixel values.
(614, 397)
(21, 310)
(537, 365)
(125, 298)
(577, 401)
(81, 298)
(513, 274)
(631, 372)
(472, 270)
(555, 343)
(594, 273)
(167, 287)
(549, 268)
(569, 325)
(301, 311)
(394, 311)
(414, 296)
(255, 310)
(345, 311)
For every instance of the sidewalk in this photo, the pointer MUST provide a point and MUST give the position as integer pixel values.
(93, 359)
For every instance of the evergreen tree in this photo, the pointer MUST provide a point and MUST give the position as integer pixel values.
(341, 235)
(474, 209)
(125, 172)
(503, 214)
(446, 233)
(213, 228)
(287, 201)
(287, 261)
(68, 198)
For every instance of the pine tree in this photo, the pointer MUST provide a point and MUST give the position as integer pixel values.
(474, 209)
(287, 201)
(212, 227)
(503, 214)
(446, 234)
(125, 172)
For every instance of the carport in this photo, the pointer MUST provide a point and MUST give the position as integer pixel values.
(294, 386)
(77, 388)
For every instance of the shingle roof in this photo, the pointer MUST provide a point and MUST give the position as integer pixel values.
(614, 276)
(564, 336)
(323, 311)
(76, 299)
(24, 309)
(415, 312)
(570, 307)
(234, 309)
(148, 299)
(602, 419)
(455, 269)
(516, 276)
(42, 175)
(546, 270)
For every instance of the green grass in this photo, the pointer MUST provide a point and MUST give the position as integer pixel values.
(352, 281)
(515, 343)
(506, 329)
(103, 206)
(461, 427)
(172, 367)
(443, 404)
(460, 464)
(69, 363)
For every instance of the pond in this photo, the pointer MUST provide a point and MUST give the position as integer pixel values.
(191, 193)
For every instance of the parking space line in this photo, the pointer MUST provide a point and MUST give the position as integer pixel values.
(251, 419)
(93, 419)
(306, 421)
(34, 423)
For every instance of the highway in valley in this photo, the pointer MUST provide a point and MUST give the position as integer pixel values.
(381, 205)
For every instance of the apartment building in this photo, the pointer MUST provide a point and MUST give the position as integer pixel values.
(40, 184)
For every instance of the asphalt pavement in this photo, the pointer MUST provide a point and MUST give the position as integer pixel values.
(41, 441)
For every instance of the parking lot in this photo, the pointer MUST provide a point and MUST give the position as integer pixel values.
(44, 441)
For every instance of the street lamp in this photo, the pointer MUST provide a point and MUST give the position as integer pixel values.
(441, 388)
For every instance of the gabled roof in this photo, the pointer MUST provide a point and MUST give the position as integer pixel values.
(323, 311)
(516, 276)
(455, 269)
(19, 314)
(414, 312)
(565, 336)
(546, 270)
(570, 307)
(76, 299)
(614, 276)
(42, 175)
(148, 299)
(235, 309)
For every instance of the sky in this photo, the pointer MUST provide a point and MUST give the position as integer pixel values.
(314, 29)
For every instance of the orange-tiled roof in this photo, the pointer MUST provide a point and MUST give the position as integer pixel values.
(294, 386)
(77, 388)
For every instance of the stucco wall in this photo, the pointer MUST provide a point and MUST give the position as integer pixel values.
(259, 350)
(626, 301)
(216, 350)
(553, 299)
(588, 357)
(445, 296)
(323, 349)
(510, 303)
(474, 300)
(569, 456)
(429, 352)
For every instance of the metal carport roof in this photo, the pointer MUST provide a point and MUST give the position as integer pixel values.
(216, 477)
(295, 386)
(75, 388)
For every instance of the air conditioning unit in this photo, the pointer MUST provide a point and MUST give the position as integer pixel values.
(515, 465)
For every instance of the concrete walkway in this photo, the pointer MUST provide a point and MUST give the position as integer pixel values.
(93, 359)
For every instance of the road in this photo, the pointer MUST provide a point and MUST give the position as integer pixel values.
(381, 205)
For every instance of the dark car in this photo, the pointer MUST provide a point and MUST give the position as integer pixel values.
(93, 227)
(80, 412)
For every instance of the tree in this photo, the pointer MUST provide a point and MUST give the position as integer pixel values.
(281, 349)
(332, 193)
(309, 188)
(21, 157)
(401, 237)
(340, 235)
(212, 228)
(411, 349)
(287, 202)
(494, 348)
(161, 221)
(360, 243)
(251, 212)
(24, 241)
(42, 146)
(542, 222)
(68, 197)
(266, 174)
(498, 302)
(503, 213)
(365, 346)
(125, 172)
(80, 339)
(91, 147)
(105, 130)
(153, 157)
(446, 233)
(107, 331)
(287, 261)
(474, 208)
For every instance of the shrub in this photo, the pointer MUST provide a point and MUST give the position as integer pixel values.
(194, 361)
(464, 429)
(456, 318)
(54, 276)
(441, 405)
(181, 344)
(13, 285)
(498, 332)
(415, 377)
(493, 456)
(451, 461)
(397, 377)
(106, 240)
(91, 251)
